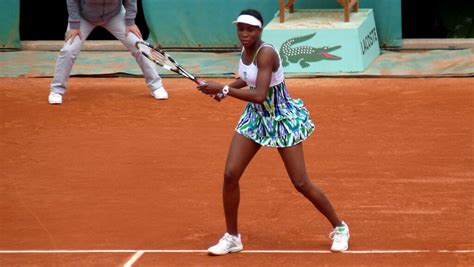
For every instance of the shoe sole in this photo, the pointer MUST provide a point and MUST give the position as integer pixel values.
(159, 98)
(52, 102)
(221, 254)
(340, 251)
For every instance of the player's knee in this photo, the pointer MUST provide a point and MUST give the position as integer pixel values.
(303, 185)
(231, 179)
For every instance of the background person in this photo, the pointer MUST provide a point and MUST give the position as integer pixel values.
(118, 17)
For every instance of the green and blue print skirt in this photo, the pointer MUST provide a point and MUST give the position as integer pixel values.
(278, 122)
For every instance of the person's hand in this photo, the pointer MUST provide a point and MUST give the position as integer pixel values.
(210, 87)
(218, 97)
(71, 34)
(135, 30)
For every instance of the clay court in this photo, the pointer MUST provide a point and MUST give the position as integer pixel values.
(113, 177)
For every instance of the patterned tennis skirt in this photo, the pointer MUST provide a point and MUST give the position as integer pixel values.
(279, 122)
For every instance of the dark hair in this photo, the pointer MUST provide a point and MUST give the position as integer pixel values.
(253, 13)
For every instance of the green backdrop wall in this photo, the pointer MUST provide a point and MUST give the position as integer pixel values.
(207, 23)
(9, 23)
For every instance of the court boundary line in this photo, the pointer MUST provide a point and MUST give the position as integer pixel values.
(140, 252)
(134, 258)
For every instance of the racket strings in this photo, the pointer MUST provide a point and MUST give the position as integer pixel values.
(163, 60)
(160, 57)
(156, 56)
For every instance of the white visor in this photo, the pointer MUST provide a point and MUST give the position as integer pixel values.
(248, 19)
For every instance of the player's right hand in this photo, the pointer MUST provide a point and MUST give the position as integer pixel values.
(71, 34)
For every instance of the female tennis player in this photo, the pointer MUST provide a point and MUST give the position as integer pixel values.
(271, 118)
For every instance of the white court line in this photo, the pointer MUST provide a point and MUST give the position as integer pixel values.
(140, 252)
(134, 258)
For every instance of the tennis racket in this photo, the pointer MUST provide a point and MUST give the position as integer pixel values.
(164, 60)
(159, 57)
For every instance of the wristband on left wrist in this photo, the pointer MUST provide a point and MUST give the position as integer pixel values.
(225, 90)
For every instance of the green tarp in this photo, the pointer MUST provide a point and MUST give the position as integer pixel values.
(207, 23)
(9, 23)
(203, 23)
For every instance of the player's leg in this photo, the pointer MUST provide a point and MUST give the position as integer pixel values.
(293, 158)
(66, 58)
(241, 152)
(117, 27)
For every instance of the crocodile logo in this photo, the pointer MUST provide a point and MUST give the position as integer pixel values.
(305, 54)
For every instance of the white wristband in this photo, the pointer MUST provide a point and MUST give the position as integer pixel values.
(225, 90)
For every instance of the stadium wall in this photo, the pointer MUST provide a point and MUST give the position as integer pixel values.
(9, 23)
(207, 23)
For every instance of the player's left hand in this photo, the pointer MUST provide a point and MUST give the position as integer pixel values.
(210, 87)
(203, 88)
(135, 30)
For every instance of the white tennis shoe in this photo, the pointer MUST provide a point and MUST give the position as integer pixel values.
(227, 244)
(340, 238)
(55, 98)
(160, 93)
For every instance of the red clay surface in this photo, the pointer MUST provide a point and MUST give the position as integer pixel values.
(112, 168)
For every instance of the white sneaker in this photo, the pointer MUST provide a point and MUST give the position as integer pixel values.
(340, 237)
(227, 244)
(55, 98)
(160, 93)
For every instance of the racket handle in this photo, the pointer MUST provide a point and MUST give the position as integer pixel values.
(199, 82)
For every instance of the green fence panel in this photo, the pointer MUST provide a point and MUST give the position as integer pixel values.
(10, 24)
(207, 23)
(198, 23)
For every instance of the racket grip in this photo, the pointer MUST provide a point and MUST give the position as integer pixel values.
(199, 82)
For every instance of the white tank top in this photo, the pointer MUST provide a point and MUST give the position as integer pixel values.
(248, 73)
